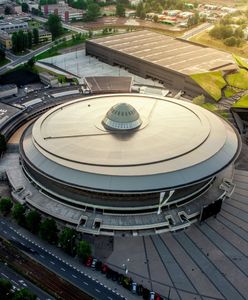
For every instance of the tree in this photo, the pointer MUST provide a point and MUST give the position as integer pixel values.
(199, 100)
(231, 41)
(92, 12)
(2, 54)
(7, 10)
(44, 2)
(140, 11)
(80, 4)
(18, 213)
(36, 36)
(120, 10)
(83, 250)
(5, 206)
(3, 145)
(48, 231)
(30, 39)
(67, 240)
(5, 289)
(33, 219)
(155, 18)
(54, 25)
(24, 294)
(221, 31)
(25, 7)
(90, 34)
(239, 33)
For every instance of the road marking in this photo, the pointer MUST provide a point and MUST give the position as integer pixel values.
(85, 283)
(110, 298)
(3, 222)
(74, 276)
(11, 227)
(62, 269)
(22, 244)
(14, 282)
(52, 262)
(5, 232)
(4, 275)
(42, 256)
(97, 291)
(13, 237)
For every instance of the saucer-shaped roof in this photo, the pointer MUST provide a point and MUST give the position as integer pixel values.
(122, 116)
(177, 144)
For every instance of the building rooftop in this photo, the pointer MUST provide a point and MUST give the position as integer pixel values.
(176, 144)
(122, 116)
(179, 55)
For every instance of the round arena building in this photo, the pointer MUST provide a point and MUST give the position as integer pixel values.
(127, 164)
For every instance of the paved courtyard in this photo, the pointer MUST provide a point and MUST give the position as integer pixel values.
(81, 65)
(204, 262)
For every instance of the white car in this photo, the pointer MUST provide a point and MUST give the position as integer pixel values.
(134, 287)
(152, 295)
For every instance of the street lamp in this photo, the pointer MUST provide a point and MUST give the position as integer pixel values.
(125, 266)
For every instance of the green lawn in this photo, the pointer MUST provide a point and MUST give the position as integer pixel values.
(230, 91)
(49, 53)
(239, 79)
(4, 62)
(54, 50)
(209, 106)
(211, 82)
(242, 102)
(241, 63)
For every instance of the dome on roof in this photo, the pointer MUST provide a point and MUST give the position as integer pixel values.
(122, 116)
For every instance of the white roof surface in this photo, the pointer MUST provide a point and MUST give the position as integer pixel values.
(177, 144)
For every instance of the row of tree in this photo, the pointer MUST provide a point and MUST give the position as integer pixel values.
(47, 229)
(24, 40)
(231, 37)
(7, 292)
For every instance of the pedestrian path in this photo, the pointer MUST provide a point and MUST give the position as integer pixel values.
(208, 261)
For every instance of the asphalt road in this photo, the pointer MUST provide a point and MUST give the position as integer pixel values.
(83, 281)
(24, 58)
(196, 30)
(67, 26)
(20, 282)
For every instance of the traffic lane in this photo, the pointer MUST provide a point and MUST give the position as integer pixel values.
(25, 58)
(20, 282)
(59, 266)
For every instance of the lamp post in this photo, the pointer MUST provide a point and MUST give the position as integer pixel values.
(125, 266)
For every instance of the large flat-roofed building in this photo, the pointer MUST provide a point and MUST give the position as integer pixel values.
(13, 25)
(126, 164)
(161, 57)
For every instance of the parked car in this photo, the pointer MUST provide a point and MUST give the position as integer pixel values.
(134, 288)
(152, 295)
(120, 278)
(109, 273)
(104, 268)
(93, 264)
(89, 261)
(139, 289)
(114, 276)
(98, 265)
(158, 297)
